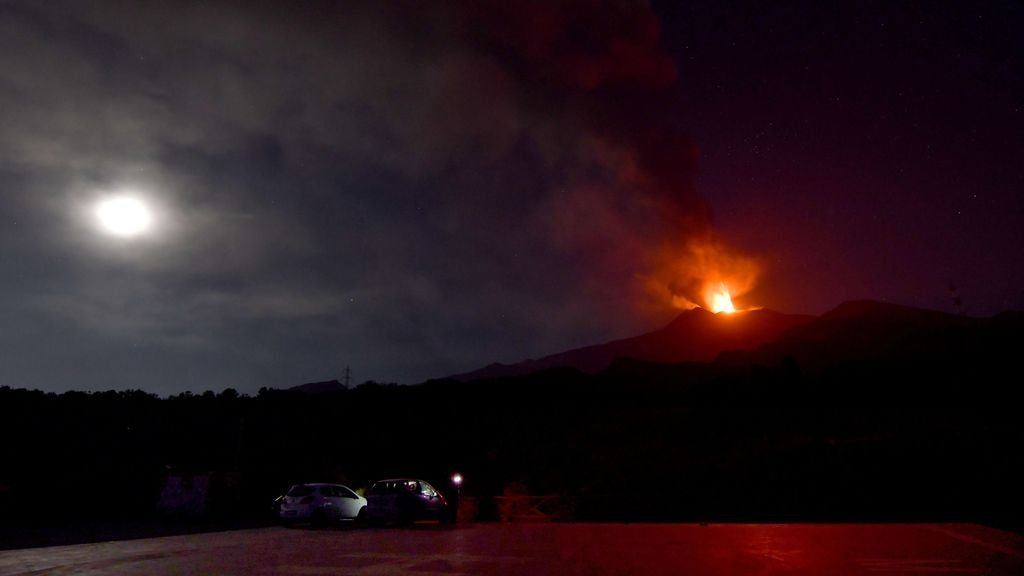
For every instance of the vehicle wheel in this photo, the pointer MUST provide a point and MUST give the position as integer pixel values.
(361, 517)
(318, 519)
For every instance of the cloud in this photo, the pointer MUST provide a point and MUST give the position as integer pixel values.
(146, 312)
(445, 163)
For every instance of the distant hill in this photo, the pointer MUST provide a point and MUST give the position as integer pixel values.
(319, 387)
(694, 336)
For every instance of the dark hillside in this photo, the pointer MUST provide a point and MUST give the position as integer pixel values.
(863, 414)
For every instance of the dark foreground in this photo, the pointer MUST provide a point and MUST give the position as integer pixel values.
(557, 549)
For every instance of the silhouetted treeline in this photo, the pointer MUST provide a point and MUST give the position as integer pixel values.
(909, 435)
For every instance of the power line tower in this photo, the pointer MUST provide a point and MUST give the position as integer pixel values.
(348, 376)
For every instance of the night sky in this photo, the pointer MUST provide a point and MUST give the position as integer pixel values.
(415, 189)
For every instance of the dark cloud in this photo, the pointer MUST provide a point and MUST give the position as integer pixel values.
(410, 188)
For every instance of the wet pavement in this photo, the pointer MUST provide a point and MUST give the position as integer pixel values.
(541, 549)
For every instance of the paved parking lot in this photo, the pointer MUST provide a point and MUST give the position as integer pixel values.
(556, 549)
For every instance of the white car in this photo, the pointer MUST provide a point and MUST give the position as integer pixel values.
(320, 502)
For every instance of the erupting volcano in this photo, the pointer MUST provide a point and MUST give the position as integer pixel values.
(719, 299)
(695, 335)
(701, 278)
(706, 274)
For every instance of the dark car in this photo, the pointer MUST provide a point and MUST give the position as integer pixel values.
(405, 500)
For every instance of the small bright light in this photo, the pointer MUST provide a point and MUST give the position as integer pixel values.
(456, 479)
(123, 216)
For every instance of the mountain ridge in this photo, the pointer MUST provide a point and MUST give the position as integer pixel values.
(853, 328)
(696, 335)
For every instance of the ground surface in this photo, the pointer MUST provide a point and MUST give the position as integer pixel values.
(555, 549)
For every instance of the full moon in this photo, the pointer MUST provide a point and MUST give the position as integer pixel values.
(123, 216)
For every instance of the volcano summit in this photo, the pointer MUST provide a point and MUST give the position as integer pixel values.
(695, 335)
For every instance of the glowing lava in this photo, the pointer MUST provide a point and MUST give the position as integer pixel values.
(719, 299)
(705, 274)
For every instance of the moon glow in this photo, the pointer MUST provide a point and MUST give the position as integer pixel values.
(123, 216)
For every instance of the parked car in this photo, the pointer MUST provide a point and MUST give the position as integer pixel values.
(319, 503)
(405, 500)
